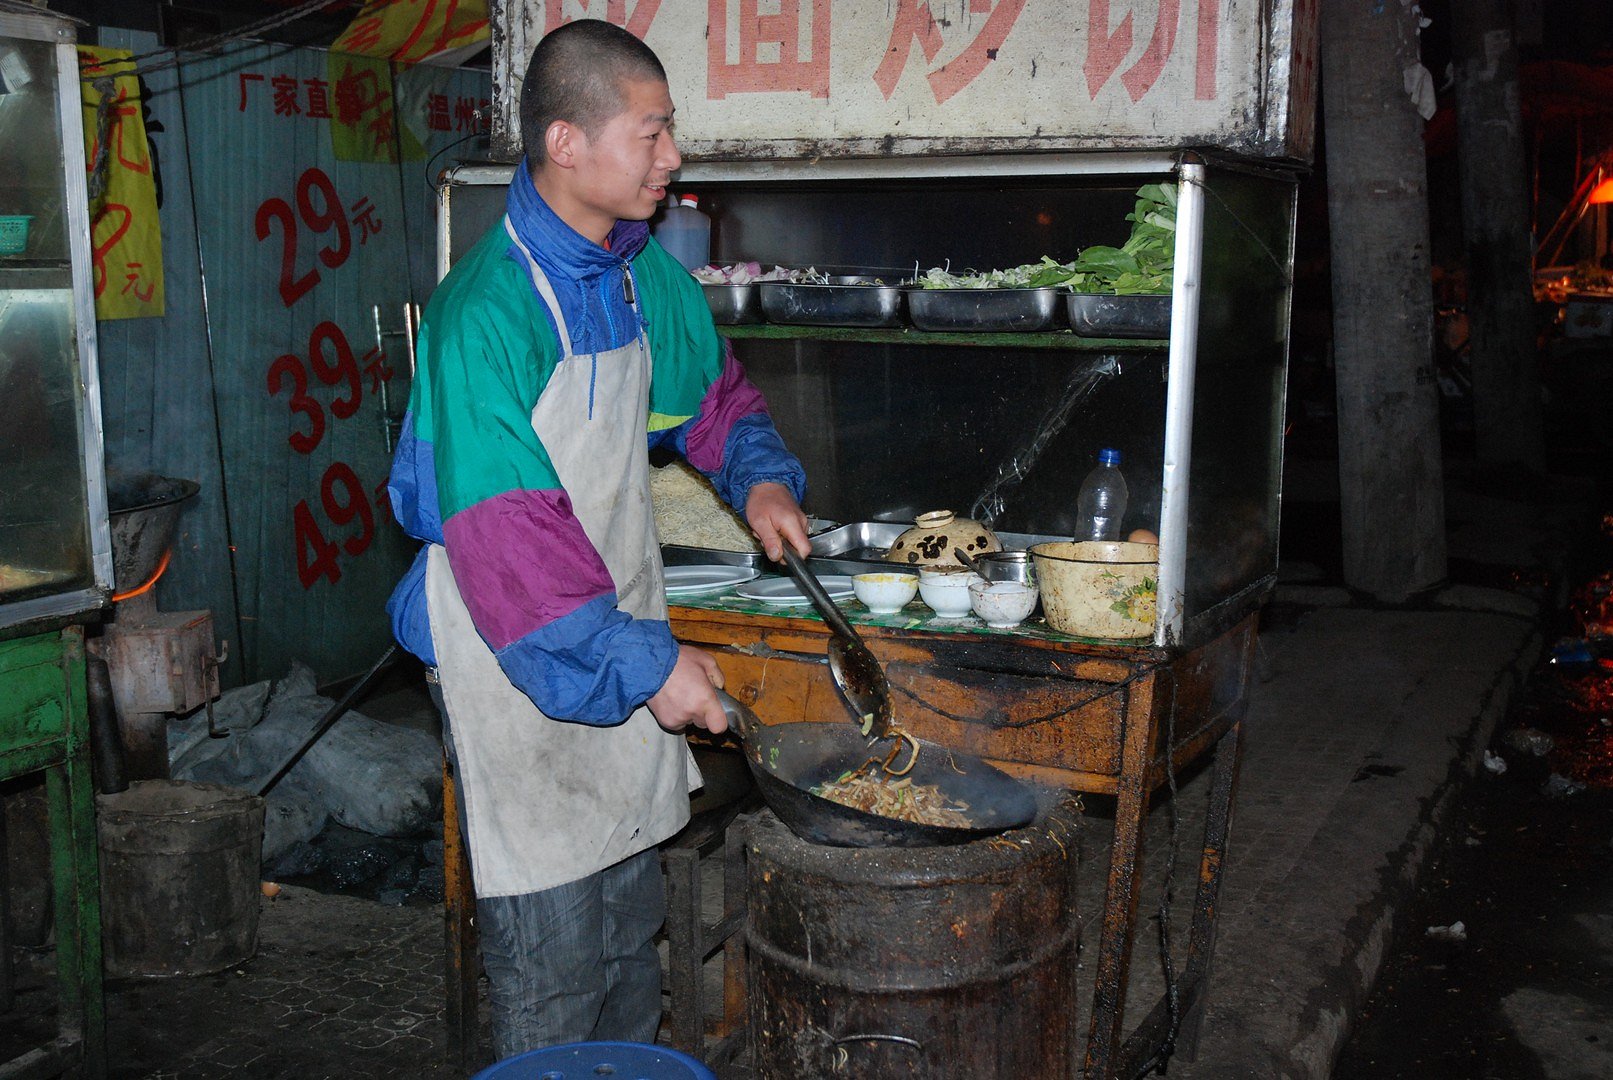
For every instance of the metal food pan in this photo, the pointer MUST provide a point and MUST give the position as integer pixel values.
(848, 301)
(733, 305)
(1022, 310)
(678, 555)
(683, 555)
(1106, 315)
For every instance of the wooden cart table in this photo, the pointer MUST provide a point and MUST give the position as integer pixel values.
(44, 728)
(1098, 717)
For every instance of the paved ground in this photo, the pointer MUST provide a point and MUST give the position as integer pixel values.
(1364, 726)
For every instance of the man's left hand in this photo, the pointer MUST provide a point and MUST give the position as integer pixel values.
(775, 518)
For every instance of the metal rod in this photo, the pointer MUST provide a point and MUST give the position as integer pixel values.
(386, 398)
(1179, 405)
(106, 744)
(333, 714)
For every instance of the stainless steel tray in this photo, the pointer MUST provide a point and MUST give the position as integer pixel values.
(678, 555)
(843, 301)
(1104, 315)
(1022, 310)
(734, 305)
(681, 555)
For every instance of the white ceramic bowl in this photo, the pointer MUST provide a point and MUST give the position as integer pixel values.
(1002, 603)
(947, 592)
(884, 594)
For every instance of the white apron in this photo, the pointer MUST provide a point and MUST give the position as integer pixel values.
(550, 801)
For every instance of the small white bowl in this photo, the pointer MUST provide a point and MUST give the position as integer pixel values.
(1002, 603)
(947, 593)
(885, 594)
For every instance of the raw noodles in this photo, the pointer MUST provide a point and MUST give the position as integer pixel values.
(690, 513)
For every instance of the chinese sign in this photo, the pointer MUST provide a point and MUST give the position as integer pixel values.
(357, 99)
(768, 78)
(125, 238)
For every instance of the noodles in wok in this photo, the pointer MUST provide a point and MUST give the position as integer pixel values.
(920, 804)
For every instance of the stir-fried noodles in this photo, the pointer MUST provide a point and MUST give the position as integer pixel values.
(921, 804)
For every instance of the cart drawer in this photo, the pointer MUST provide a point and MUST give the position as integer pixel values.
(34, 699)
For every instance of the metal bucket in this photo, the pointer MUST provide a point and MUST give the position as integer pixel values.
(950, 963)
(1099, 588)
(144, 514)
(179, 877)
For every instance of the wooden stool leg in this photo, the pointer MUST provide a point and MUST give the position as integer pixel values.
(684, 932)
(5, 917)
(733, 949)
(1120, 896)
(459, 910)
(1201, 937)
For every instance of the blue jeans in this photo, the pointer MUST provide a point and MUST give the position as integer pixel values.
(573, 963)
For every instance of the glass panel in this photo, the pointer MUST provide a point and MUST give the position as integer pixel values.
(888, 431)
(44, 537)
(32, 193)
(44, 544)
(1238, 393)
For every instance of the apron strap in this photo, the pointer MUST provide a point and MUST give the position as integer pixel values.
(541, 282)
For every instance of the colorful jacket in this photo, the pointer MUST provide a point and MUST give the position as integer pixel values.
(471, 474)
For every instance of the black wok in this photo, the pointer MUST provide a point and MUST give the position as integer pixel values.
(788, 760)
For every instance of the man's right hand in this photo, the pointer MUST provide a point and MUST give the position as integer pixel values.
(687, 697)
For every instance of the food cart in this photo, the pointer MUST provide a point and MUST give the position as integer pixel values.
(55, 544)
(903, 137)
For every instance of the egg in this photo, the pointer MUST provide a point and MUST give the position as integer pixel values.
(1142, 536)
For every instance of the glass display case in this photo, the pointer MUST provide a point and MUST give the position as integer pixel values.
(891, 422)
(55, 547)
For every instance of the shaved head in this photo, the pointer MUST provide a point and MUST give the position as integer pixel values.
(577, 75)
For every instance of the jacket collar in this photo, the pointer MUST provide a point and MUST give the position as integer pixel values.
(560, 249)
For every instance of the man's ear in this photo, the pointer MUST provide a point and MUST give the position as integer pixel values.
(561, 142)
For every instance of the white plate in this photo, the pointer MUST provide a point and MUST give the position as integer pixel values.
(693, 579)
(783, 590)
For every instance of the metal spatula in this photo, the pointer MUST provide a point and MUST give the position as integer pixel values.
(856, 670)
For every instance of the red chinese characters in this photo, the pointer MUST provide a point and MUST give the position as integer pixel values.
(915, 24)
(311, 98)
(637, 22)
(766, 49)
(342, 496)
(437, 113)
(1109, 43)
(321, 211)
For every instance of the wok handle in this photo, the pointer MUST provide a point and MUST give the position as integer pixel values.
(740, 719)
(832, 615)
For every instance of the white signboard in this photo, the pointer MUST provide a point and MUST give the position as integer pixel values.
(763, 79)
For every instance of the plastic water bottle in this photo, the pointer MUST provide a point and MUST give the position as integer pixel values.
(685, 232)
(1102, 502)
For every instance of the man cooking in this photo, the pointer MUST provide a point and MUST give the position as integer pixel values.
(558, 351)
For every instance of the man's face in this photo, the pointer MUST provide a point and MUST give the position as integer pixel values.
(623, 168)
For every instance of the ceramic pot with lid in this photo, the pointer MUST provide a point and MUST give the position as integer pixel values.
(933, 536)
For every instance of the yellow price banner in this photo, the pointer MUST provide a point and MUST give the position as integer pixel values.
(125, 236)
(410, 31)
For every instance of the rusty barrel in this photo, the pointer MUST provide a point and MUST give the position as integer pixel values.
(179, 877)
(933, 962)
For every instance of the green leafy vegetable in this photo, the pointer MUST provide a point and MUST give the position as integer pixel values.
(1141, 265)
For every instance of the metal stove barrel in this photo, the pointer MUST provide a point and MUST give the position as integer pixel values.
(951, 963)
